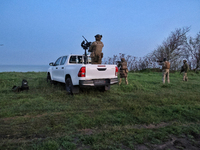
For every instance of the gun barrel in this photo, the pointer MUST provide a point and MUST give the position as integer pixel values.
(85, 38)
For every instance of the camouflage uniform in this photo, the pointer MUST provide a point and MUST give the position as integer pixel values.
(96, 50)
(165, 70)
(123, 70)
(185, 68)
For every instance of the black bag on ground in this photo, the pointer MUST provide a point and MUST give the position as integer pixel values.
(24, 85)
(22, 88)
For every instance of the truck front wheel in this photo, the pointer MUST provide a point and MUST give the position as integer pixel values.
(49, 79)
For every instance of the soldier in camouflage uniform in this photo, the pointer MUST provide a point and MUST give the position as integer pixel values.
(96, 50)
(165, 69)
(123, 70)
(185, 70)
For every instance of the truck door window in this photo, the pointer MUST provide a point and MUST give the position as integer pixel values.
(63, 60)
(80, 59)
(72, 59)
(57, 61)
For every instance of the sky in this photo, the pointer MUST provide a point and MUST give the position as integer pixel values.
(37, 32)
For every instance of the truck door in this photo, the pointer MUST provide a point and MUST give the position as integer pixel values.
(61, 69)
(55, 72)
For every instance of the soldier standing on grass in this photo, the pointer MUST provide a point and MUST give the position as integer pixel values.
(165, 69)
(185, 68)
(123, 70)
(96, 50)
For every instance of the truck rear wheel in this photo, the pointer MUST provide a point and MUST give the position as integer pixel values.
(69, 86)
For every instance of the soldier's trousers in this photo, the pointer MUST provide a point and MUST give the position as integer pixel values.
(165, 74)
(185, 78)
(96, 60)
(120, 80)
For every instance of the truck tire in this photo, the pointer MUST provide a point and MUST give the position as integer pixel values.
(69, 85)
(48, 77)
(104, 88)
(70, 88)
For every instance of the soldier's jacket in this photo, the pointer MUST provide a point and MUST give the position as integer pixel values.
(123, 68)
(185, 67)
(96, 48)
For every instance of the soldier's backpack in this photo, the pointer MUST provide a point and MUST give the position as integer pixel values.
(124, 65)
(167, 65)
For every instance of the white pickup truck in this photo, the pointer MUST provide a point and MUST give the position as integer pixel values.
(72, 71)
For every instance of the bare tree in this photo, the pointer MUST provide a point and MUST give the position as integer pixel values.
(111, 60)
(158, 54)
(193, 49)
(175, 43)
(171, 48)
(133, 63)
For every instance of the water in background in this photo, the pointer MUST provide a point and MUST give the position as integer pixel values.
(23, 68)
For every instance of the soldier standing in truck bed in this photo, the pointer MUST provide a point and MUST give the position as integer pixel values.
(96, 50)
(165, 69)
(123, 70)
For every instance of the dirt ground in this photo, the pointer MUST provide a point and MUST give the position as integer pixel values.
(175, 143)
(183, 142)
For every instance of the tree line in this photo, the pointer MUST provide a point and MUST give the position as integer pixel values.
(176, 47)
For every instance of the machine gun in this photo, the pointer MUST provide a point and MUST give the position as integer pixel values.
(85, 47)
(118, 62)
(159, 61)
(182, 69)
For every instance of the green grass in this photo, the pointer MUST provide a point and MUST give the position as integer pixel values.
(144, 111)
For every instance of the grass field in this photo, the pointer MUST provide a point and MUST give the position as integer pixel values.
(143, 114)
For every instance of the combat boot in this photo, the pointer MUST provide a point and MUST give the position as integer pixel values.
(126, 81)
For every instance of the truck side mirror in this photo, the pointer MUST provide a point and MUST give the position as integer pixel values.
(51, 64)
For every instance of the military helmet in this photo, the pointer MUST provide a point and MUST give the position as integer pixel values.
(98, 37)
(123, 59)
(184, 60)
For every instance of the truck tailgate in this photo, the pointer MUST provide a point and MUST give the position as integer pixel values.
(100, 71)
